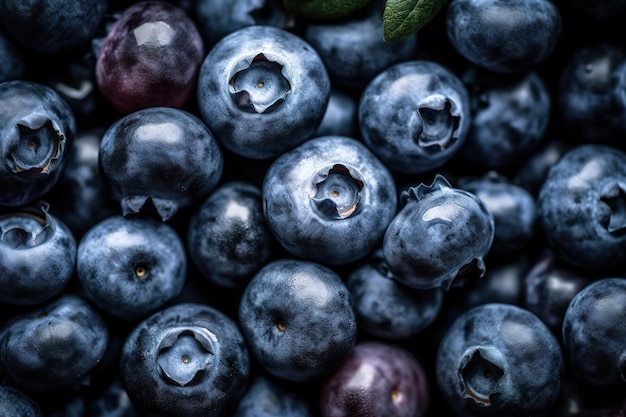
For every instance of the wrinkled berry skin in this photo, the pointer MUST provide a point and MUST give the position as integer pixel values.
(353, 48)
(587, 231)
(218, 18)
(387, 309)
(439, 237)
(376, 379)
(513, 208)
(150, 58)
(590, 94)
(53, 346)
(415, 116)
(499, 360)
(297, 319)
(262, 91)
(188, 359)
(37, 130)
(60, 26)
(504, 35)
(15, 402)
(227, 238)
(510, 115)
(37, 255)
(269, 397)
(594, 333)
(164, 155)
(329, 200)
(131, 266)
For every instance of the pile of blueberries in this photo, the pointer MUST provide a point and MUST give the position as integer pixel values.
(216, 208)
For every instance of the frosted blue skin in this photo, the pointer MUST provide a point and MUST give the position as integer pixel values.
(130, 266)
(587, 231)
(37, 255)
(262, 91)
(53, 346)
(269, 397)
(160, 155)
(415, 116)
(186, 351)
(37, 130)
(329, 200)
(439, 237)
(594, 333)
(297, 319)
(504, 36)
(499, 359)
(16, 402)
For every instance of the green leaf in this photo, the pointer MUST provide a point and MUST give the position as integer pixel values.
(402, 18)
(323, 9)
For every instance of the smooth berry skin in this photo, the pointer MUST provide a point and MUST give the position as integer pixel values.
(340, 117)
(188, 359)
(353, 48)
(37, 128)
(376, 379)
(589, 94)
(510, 116)
(387, 309)
(415, 116)
(112, 401)
(131, 266)
(150, 58)
(227, 237)
(329, 200)
(262, 91)
(594, 333)
(513, 208)
(37, 255)
(54, 346)
(533, 170)
(60, 26)
(297, 319)
(218, 18)
(267, 396)
(16, 402)
(161, 155)
(504, 36)
(549, 287)
(586, 232)
(499, 359)
(439, 237)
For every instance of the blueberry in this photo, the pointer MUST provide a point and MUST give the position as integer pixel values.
(37, 255)
(499, 359)
(218, 18)
(227, 238)
(594, 332)
(415, 116)
(340, 117)
(16, 402)
(376, 379)
(270, 397)
(587, 231)
(37, 130)
(329, 200)
(513, 208)
(510, 116)
(297, 319)
(54, 346)
(60, 26)
(590, 94)
(187, 359)
(532, 171)
(439, 237)
(150, 58)
(131, 266)
(262, 90)
(387, 309)
(504, 35)
(112, 401)
(353, 48)
(161, 155)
